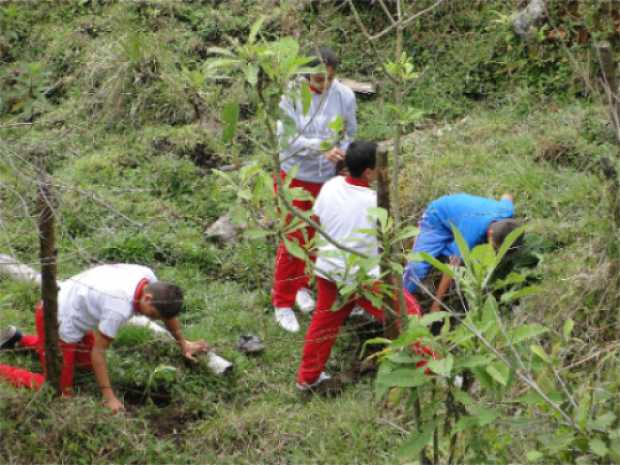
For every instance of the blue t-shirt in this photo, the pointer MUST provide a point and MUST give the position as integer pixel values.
(470, 214)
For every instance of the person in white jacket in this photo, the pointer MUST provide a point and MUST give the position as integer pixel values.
(304, 149)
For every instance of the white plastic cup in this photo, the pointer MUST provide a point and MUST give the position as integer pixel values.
(218, 365)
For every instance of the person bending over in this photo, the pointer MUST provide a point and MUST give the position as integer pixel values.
(92, 307)
(478, 219)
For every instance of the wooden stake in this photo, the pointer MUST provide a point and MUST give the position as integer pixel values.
(391, 322)
(610, 83)
(49, 288)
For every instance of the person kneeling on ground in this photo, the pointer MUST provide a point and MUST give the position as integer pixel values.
(92, 307)
(342, 211)
(478, 219)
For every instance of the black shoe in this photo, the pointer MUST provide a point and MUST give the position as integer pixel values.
(9, 337)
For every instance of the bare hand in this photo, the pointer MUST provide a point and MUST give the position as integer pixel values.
(115, 405)
(334, 155)
(455, 261)
(190, 348)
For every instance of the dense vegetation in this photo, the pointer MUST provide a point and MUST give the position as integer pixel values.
(110, 99)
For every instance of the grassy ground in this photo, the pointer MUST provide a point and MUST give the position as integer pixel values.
(256, 415)
(131, 158)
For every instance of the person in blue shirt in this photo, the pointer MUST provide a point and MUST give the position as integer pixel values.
(479, 219)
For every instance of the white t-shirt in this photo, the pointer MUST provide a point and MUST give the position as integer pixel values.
(342, 209)
(99, 298)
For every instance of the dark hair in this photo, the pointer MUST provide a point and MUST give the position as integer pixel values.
(325, 56)
(167, 298)
(361, 155)
(502, 228)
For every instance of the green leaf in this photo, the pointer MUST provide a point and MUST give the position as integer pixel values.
(581, 415)
(499, 372)
(403, 358)
(567, 329)
(416, 442)
(404, 377)
(256, 233)
(465, 423)
(485, 379)
(378, 340)
(485, 255)
(295, 250)
(534, 456)
(514, 295)
(602, 423)
(462, 397)
(540, 352)
(378, 214)
(443, 366)
(485, 416)
(598, 447)
(251, 74)
(443, 267)
(255, 28)
(526, 332)
(306, 97)
(221, 51)
(407, 232)
(430, 318)
(473, 361)
(512, 278)
(230, 117)
(337, 124)
(508, 242)
(462, 245)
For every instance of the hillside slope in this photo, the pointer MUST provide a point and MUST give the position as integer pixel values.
(106, 97)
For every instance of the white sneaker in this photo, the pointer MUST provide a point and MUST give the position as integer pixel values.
(304, 300)
(287, 319)
(9, 336)
(306, 387)
(357, 311)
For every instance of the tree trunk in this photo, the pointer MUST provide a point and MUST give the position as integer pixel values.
(49, 288)
(383, 201)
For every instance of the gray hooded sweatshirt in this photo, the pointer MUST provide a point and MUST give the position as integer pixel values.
(302, 147)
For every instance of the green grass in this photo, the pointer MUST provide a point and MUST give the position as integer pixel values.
(256, 415)
(131, 168)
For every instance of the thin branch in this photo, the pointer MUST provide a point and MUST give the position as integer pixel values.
(373, 48)
(404, 23)
(387, 12)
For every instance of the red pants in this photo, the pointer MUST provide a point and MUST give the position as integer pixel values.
(326, 323)
(73, 354)
(290, 274)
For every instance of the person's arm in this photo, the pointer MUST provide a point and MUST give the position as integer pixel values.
(100, 367)
(443, 286)
(507, 196)
(188, 348)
